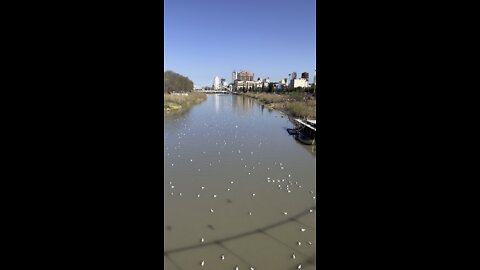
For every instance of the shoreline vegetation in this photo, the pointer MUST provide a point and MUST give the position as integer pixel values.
(182, 101)
(294, 104)
(178, 93)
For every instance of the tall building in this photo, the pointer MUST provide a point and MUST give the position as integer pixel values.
(294, 75)
(245, 76)
(216, 83)
(234, 76)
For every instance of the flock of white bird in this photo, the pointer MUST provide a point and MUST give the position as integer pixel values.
(285, 184)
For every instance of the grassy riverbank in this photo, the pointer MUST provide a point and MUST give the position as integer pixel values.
(181, 102)
(294, 104)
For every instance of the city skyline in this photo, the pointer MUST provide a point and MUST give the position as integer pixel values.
(204, 39)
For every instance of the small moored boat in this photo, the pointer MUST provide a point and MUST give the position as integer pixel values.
(306, 131)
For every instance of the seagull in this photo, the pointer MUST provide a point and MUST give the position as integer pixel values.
(203, 187)
(285, 213)
(211, 210)
(249, 213)
(299, 243)
(253, 195)
(302, 229)
(214, 195)
(299, 266)
(202, 263)
(236, 267)
(202, 240)
(293, 256)
(222, 257)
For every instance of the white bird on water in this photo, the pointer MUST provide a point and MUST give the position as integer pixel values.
(236, 267)
(202, 240)
(222, 257)
(211, 210)
(202, 263)
(293, 256)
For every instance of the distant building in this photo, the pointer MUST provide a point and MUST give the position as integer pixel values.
(216, 83)
(305, 75)
(294, 75)
(234, 76)
(299, 83)
(245, 76)
(243, 85)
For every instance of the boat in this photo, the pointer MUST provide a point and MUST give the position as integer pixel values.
(306, 131)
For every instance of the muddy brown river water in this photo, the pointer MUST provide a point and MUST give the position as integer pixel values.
(239, 190)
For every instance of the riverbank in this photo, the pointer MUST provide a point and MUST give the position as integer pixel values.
(293, 104)
(172, 102)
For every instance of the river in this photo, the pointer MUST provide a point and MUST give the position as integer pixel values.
(239, 190)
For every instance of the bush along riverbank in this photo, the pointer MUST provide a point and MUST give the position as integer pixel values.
(294, 104)
(182, 101)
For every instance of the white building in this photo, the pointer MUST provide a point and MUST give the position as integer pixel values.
(240, 85)
(303, 83)
(216, 83)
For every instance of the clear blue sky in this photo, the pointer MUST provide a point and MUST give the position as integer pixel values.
(208, 38)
